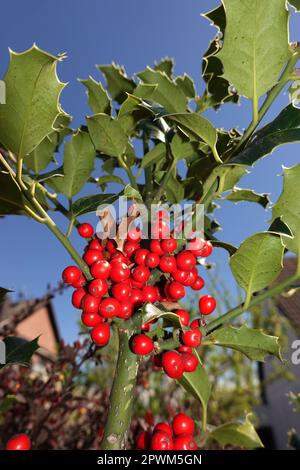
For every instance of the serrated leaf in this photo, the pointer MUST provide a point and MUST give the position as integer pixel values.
(131, 113)
(165, 65)
(279, 227)
(79, 156)
(283, 130)
(167, 93)
(241, 195)
(131, 193)
(295, 4)
(184, 150)
(104, 180)
(196, 127)
(186, 84)
(255, 344)
(43, 154)
(107, 135)
(287, 206)
(197, 384)
(248, 65)
(258, 261)
(241, 434)
(98, 99)
(32, 93)
(11, 199)
(19, 351)
(118, 84)
(87, 204)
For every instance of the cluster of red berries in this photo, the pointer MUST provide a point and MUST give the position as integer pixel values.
(122, 280)
(18, 442)
(178, 436)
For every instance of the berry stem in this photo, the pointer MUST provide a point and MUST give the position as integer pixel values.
(121, 396)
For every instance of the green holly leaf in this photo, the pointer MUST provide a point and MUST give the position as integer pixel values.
(131, 113)
(241, 434)
(241, 195)
(295, 4)
(79, 156)
(168, 93)
(131, 193)
(258, 262)
(165, 65)
(186, 84)
(19, 351)
(107, 135)
(287, 207)
(218, 90)
(248, 65)
(87, 204)
(11, 199)
(157, 154)
(197, 384)
(32, 94)
(151, 312)
(196, 127)
(43, 154)
(98, 99)
(283, 130)
(255, 344)
(118, 84)
(104, 180)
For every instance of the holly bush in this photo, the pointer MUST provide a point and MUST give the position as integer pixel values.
(133, 285)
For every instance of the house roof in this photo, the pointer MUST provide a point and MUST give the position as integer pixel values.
(290, 306)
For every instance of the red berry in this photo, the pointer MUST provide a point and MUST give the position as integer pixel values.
(136, 296)
(126, 309)
(155, 247)
(207, 249)
(143, 441)
(207, 304)
(164, 427)
(121, 291)
(149, 294)
(136, 284)
(161, 441)
(190, 362)
(152, 260)
(196, 323)
(168, 263)
(176, 290)
(172, 364)
(119, 271)
(98, 288)
(169, 245)
(141, 345)
(130, 248)
(109, 308)
(91, 319)
(71, 274)
(119, 256)
(190, 279)
(77, 297)
(183, 316)
(141, 274)
(111, 246)
(100, 334)
(186, 260)
(91, 256)
(80, 282)
(101, 269)
(145, 327)
(85, 230)
(134, 234)
(90, 304)
(95, 245)
(18, 442)
(192, 338)
(198, 284)
(184, 442)
(140, 256)
(184, 349)
(161, 229)
(183, 424)
(180, 276)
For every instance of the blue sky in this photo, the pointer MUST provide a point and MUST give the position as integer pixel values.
(135, 34)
